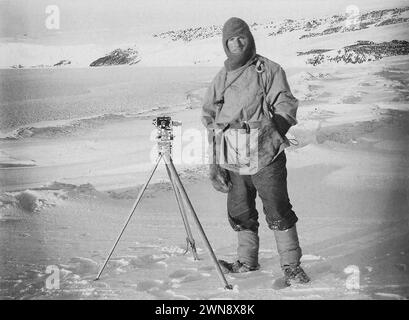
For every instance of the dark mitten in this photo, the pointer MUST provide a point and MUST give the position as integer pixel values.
(282, 124)
(220, 178)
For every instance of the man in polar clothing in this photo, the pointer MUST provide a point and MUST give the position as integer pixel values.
(247, 111)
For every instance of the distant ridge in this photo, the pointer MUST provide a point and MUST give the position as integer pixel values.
(119, 56)
(321, 26)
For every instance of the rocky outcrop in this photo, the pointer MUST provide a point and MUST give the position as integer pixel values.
(118, 57)
(346, 23)
(314, 51)
(392, 21)
(62, 63)
(362, 51)
(289, 25)
(190, 34)
(38, 66)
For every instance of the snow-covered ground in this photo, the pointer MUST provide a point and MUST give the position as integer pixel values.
(76, 147)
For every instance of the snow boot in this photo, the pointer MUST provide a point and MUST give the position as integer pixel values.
(295, 275)
(247, 251)
(288, 247)
(236, 267)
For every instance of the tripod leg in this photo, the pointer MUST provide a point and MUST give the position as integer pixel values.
(168, 161)
(190, 240)
(130, 215)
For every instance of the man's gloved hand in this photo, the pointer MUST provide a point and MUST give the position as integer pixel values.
(282, 125)
(220, 178)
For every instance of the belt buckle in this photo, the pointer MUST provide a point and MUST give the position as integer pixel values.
(246, 126)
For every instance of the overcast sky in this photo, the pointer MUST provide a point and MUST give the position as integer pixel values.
(95, 21)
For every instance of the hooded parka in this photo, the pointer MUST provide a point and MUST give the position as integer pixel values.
(247, 93)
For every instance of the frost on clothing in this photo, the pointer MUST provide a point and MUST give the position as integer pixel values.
(242, 94)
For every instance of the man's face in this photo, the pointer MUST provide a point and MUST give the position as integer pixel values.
(236, 45)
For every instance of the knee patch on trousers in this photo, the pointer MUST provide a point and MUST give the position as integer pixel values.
(243, 224)
(283, 223)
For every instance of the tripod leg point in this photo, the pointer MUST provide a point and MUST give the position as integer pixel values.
(187, 246)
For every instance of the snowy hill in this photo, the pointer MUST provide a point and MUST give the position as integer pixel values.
(118, 57)
(201, 45)
(315, 27)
